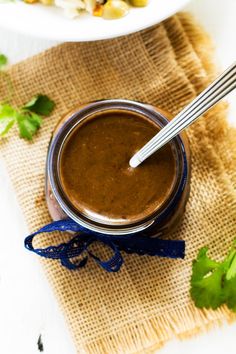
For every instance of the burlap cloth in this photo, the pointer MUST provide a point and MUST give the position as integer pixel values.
(147, 302)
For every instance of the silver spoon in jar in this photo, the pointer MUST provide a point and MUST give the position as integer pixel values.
(223, 85)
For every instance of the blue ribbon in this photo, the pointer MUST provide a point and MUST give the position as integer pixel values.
(69, 252)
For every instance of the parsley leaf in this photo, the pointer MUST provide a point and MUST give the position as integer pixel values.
(40, 104)
(28, 118)
(28, 124)
(214, 283)
(28, 121)
(7, 118)
(3, 61)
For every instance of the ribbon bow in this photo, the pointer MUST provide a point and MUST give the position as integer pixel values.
(69, 252)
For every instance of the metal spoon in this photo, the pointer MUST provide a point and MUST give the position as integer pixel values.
(223, 85)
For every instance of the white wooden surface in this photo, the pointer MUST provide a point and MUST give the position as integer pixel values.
(27, 305)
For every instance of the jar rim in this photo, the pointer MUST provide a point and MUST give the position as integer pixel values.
(58, 141)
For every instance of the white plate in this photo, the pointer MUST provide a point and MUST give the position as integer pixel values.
(50, 23)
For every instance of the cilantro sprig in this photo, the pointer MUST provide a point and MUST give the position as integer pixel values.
(3, 61)
(214, 283)
(28, 117)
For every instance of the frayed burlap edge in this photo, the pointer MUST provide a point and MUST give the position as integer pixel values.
(149, 336)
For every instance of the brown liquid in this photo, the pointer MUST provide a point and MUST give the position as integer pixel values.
(95, 173)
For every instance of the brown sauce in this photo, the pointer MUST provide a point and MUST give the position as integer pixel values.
(95, 173)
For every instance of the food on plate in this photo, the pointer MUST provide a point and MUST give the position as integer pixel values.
(114, 9)
(108, 9)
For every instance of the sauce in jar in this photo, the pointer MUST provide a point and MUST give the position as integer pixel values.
(88, 177)
(95, 173)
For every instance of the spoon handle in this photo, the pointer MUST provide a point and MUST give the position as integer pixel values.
(221, 87)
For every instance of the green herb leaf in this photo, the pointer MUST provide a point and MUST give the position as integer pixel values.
(40, 104)
(3, 61)
(214, 283)
(231, 264)
(230, 294)
(28, 124)
(7, 118)
(202, 265)
(28, 117)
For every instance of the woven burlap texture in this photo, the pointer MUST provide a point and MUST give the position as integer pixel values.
(145, 304)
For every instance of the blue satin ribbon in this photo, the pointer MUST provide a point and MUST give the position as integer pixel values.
(69, 252)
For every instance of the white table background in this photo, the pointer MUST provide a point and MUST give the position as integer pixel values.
(27, 304)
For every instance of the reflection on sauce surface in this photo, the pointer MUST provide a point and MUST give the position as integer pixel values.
(95, 173)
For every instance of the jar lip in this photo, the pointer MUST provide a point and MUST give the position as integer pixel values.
(76, 117)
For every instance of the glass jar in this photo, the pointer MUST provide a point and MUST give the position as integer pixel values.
(165, 219)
